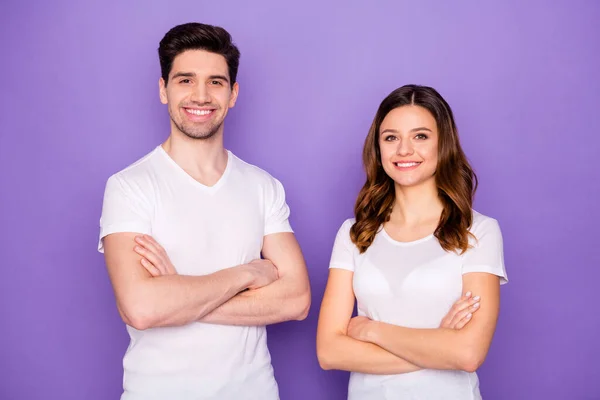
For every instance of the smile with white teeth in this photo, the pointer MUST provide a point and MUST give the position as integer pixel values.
(198, 112)
(406, 164)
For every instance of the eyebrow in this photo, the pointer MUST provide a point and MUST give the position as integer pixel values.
(193, 75)
(422, 128)
(222, 77)
(184, 74)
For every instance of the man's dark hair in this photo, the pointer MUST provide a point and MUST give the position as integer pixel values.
(196, 36)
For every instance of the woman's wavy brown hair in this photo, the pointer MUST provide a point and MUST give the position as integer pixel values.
(455, 180)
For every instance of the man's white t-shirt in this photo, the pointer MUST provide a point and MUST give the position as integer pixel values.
(203, 230)
(414, 284)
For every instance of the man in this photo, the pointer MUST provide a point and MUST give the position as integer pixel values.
(183, 229)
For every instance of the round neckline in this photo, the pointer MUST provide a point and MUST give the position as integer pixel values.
(398, 243)
(210, 189)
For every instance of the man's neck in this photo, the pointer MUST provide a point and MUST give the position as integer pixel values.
(203, 160)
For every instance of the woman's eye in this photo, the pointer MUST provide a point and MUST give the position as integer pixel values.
(421, 136)
(389, 138)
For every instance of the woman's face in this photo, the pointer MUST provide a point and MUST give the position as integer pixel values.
(408, 142)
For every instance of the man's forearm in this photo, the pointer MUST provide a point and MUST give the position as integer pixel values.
(277, 302)
(174, 300)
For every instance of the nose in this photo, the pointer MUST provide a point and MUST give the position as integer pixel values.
(405, 148)
(200, 94)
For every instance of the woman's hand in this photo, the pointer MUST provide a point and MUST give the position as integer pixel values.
(461, 312)
(358, 328)
(458, 317)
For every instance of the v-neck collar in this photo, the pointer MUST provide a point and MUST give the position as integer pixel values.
(210, 189)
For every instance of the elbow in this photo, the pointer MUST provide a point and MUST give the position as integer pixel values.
(139, 322)
(304, 307)
(301, 308)
(136, 316)
(325, 361)
(328, 353)
(471, 360)
(324, 364)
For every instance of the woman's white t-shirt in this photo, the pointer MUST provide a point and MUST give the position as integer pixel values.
(414, 284)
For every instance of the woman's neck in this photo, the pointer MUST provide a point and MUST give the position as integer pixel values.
(416, 205)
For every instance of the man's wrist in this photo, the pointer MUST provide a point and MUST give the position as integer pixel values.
(247, 277)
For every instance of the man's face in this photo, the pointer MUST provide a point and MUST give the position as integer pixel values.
(198, 94)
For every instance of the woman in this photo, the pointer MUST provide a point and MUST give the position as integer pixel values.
(414, 247)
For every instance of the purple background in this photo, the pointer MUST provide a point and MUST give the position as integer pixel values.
(79, 102)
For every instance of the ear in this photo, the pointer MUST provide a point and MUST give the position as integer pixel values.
(162, 91)
(234, 94)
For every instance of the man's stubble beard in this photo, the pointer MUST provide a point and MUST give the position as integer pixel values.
(196, 133)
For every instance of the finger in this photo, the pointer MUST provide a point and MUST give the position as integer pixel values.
(466, 306)
(150, 268)
(467, 302)
(152, 257)
(461, 324)
(458, 307)
(157, 245)
(462, 299)
(143, 240)
(162, 254)
(450, 319)
(170, 268)
(458, 318)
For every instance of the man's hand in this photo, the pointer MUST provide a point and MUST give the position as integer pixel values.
(264, 272)
(154, 257)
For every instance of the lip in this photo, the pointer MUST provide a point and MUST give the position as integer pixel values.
(189, 112)
(407, 165)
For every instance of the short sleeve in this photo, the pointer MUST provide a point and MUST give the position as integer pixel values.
(277, 210)
(123, 210)
(344, 251)
(487, 253)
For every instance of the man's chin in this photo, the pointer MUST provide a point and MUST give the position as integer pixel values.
(200, 135)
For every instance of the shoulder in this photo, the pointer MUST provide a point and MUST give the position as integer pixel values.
(344, 252)
(484, 225)
(137, 177)
(253, 173)
(140, 167)
(347, 225)
(343, 233)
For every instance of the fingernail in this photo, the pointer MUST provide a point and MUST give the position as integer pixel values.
(476, 298)
(469, 315)
(138, 248)
(468, 294)
(475, 305)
